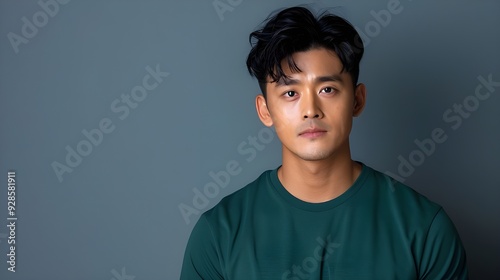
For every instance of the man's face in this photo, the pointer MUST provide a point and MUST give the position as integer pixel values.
(312, 110)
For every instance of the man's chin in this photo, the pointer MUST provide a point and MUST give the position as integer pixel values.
(315, 155)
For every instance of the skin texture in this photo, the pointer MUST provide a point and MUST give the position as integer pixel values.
(317, 166)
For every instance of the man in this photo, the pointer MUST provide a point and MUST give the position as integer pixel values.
(320, 215)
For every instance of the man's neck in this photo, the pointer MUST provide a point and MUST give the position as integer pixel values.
(318, 181)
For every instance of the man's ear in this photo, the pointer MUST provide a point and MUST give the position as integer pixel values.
(263, 111)
(359, 99)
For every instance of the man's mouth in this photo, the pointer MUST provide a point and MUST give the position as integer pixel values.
(312, 133)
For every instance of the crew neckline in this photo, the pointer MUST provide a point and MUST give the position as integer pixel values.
(320, 206)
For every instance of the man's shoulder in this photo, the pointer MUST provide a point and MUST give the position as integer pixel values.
(402, 197)
(238, 201)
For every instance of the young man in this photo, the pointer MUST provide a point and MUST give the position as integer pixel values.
(320, 215)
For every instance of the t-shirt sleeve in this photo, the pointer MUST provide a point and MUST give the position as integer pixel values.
(202, 256)
(443, 255)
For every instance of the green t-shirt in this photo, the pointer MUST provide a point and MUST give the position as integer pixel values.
(377, 229)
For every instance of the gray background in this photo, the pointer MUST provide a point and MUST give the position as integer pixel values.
(117, 213)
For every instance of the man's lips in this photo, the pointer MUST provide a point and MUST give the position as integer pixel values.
(312, 132)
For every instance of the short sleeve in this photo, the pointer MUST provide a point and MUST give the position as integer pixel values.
(202, 256)
(443, 255)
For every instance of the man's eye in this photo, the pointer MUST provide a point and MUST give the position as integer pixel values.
(290, 93)
(328, 90)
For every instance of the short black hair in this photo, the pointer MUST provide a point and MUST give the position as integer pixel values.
(296, 29)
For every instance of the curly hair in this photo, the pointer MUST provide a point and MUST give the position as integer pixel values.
(296, 29)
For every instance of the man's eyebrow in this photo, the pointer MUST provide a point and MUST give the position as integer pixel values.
(332, 78)
(284, 81)
(288, 81)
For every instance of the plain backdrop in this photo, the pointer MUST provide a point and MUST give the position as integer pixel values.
(113, 212)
